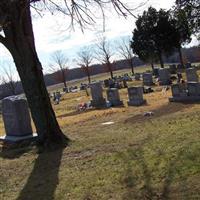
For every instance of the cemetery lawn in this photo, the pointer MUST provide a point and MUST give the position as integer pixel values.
(136, 157)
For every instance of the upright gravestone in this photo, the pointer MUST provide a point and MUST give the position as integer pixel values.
(135, 95)
(113, 97)
(193, 88)
(155, 72)
(106, 83)
(97, 95)
(188, 65)
(179, 90)
(164, 76)
(147, 79)
(16, 117)
(191, 75)
(172, 69)
(137, 76)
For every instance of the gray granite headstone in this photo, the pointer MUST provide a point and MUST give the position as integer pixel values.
(135, 95)
(188, 65)
(172, 69)
(137, 76)
(16, 116)
(193, 88)
(164, 76)
(179, 90)
(97, 95)
(113, 97)
(191, 75)
(147, 79)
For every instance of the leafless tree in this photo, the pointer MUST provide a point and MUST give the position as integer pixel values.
(85, 58)
(104, 54)
(126, 52)
(8, 79)
(17, 35)
(59, 66)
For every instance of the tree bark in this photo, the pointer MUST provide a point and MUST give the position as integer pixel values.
(152, 66)
(132, 67)
(161, 60)
(180, 56)
(88, 74)
(20, 42)
(110, 69)
(63, 77)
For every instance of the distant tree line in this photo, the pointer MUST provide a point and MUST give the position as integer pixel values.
(191, 54)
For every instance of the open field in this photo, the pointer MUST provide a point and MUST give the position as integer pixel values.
(136, 157)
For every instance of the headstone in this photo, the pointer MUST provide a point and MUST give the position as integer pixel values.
(191, 75)
(179, 90)
(97, 95)
(65, 89)
(172, 69)
(188, 65)
(125, 83)
(113, 97)
(164, 76)
(147, 79)
(179, 66)
(111, 83)
(137, 76)
(106, 83)
(155, 72)
(135, 96)
(16, 117)
(193, 88)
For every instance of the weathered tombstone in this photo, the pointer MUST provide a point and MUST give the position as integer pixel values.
(191, 75)
(179, 66)
(106, 83)
(188, 65)
(164, 76)
(135, 96)
(193, 88)
(172, 69)
(125, 83)
(16, 117)
(137, 76)
(155, 72)
(147, 79)
(111, 83)
(113, 97)
(97, 95)
(179, 90)
(65, 89)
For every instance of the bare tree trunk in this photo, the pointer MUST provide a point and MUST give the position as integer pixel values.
(110, 69)
(20, 42)
(180, 56)
(132, 67)
(63, 77)
(161, 60)
(88, 74)
(152, 66)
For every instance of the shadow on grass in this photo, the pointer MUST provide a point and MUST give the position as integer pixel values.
(164, 110)
(43, 179)
(10, 150)
(139, 179)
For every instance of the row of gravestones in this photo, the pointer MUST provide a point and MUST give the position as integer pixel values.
(163, 75)
(17, 120)
(189, 91)
(135, 96)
